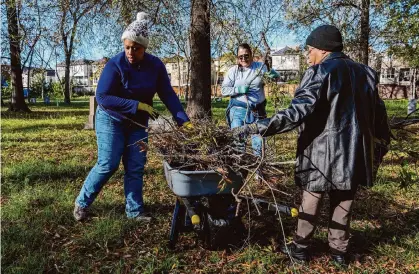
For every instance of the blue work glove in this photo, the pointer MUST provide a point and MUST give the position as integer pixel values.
(272, 74)
(242, 89)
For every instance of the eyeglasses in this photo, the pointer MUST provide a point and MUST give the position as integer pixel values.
(134, 49)
(244, 57)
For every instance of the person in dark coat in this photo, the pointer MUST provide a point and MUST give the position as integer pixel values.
(340, 116)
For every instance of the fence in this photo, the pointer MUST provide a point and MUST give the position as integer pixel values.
(216, 90)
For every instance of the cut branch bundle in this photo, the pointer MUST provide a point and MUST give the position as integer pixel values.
(209, 146)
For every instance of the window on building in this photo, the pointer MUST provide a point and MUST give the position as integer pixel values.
(388, 73)
(174, 66)
(404, 74)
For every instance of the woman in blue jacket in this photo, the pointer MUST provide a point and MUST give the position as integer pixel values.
(124, 95)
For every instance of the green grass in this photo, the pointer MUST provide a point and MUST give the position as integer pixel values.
(46, 156)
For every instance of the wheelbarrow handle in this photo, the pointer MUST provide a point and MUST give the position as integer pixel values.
(191, 212)
(291, 211)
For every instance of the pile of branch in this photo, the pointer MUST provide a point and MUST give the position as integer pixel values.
(209, 146)
(407, 121)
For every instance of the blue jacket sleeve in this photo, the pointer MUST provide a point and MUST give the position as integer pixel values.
(107, 91)
(169, 97)
(303, 104)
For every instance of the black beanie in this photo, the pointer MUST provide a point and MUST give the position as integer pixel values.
(326, 37)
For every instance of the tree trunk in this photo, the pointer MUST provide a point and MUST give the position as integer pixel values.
(18, 100)
(29, 77)
(67, 80)
(178, 73)
(365, 31)
(268, 60)
(199, 104)
(188, 80)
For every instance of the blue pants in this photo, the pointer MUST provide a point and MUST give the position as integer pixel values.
(237, 118)
(115, 139)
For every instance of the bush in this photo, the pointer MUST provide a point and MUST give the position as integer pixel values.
(57, 89)
(6, 92)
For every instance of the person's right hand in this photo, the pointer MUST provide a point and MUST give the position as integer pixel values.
(242, 89)
(245, 130)
(149, 109)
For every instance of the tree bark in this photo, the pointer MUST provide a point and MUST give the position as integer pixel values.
(28, 83)
(67, 80)
(268, 60)
(199, 104)
(18, 100)
(365, 31)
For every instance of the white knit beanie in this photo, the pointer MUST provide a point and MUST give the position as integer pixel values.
(137, 31)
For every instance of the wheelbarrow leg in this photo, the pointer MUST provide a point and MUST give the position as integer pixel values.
(177, 223)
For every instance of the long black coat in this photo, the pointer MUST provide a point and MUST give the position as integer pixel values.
(339, 113)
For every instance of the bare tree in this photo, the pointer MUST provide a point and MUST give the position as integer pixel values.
(173, 26)
(71, 15)
(362, 22)
(18, 101)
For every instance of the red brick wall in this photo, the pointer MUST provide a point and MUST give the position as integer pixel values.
(393, 91)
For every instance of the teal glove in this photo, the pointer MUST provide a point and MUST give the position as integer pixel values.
(272, 74)
(242, 89)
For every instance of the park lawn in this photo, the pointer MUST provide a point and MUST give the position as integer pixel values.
(46, 156)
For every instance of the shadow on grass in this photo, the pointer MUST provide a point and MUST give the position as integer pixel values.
(50, 114)
(388, 220)
(22, 174)
(380, 219)
(46, 126)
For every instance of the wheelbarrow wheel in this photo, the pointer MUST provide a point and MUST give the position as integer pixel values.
(206, 233)
(178, 220)
(220, 229)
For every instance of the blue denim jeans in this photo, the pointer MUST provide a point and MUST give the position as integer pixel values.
(115, 139)
(237, 119)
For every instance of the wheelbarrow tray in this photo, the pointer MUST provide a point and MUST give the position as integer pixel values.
(185, 183)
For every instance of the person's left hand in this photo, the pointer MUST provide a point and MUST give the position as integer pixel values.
(188, 126)
(272, 74)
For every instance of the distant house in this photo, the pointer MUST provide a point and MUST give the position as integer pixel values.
(220, 67)
(34, 73)
(177, 66)
(97, 68)
(396, 77)
(81, 75)
(286, 62)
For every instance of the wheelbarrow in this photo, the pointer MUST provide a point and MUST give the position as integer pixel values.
(208, 209)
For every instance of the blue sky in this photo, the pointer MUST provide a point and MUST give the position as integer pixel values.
(281, 41)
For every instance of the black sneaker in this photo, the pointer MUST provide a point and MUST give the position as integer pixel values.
(339, 258)
(297, 253)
